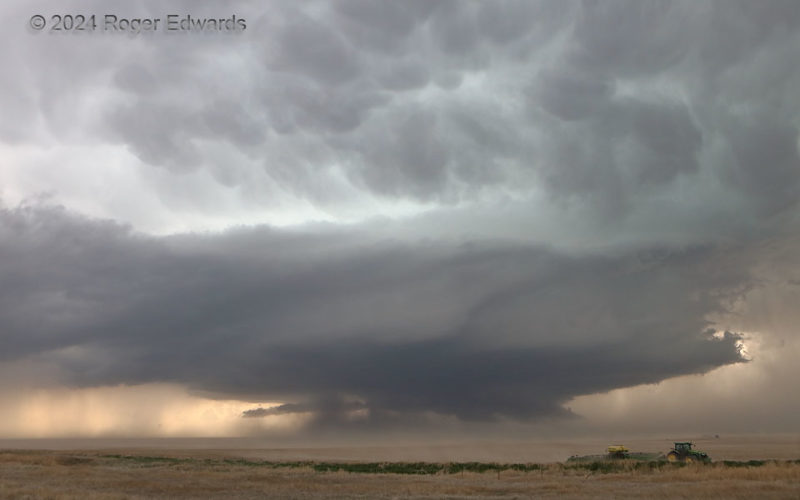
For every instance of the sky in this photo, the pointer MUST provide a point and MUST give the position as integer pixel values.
(317, 220)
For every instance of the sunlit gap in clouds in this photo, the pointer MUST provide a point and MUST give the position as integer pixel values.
(743, 344)
(159, 202)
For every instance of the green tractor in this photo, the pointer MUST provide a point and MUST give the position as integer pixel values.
(683, 452)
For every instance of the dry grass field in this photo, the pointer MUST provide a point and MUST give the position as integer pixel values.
(138, 473)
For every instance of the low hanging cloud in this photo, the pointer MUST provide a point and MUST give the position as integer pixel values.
(474, 331)
(321, 408)
(285, 409)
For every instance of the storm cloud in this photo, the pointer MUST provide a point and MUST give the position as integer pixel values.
(477, 210)
(474, 331)
(438, 102)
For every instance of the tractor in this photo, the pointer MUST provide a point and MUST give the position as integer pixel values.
(683, 452)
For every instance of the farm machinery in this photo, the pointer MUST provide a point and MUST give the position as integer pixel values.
(683, 452)
(618, 451)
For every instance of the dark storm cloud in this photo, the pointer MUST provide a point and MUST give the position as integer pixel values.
(766, 163)
(597, 100)
(405, 76)
(504, 22)
(739, 29)
(382, 26)
(328, 407)
(572, 96)
(411, 157)
(475, 331)
(625, 38)
(279, 410)
(447, 377)
(298, 105)
(622, 149)
(317, 51)
(628, 93)
(669, 123)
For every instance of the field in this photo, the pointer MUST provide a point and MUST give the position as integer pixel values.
(471, 471)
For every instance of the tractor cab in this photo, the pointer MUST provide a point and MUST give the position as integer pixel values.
(683, 447)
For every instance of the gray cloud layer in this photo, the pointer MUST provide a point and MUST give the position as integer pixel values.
(604, 105)
(473, 331)
(599, 178)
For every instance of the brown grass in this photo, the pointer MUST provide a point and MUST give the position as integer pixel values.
(98, 475)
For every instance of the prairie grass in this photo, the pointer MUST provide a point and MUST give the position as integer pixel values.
(94, 476)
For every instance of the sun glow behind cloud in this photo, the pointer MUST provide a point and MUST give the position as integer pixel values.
(704, 403)
(148, 410)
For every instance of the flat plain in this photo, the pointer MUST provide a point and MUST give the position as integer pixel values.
(744, 467)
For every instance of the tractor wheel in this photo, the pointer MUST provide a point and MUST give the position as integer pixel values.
(690, 459)
(673, 457)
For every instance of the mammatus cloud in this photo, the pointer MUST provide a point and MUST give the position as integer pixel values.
(351, 108)
(524, 202)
